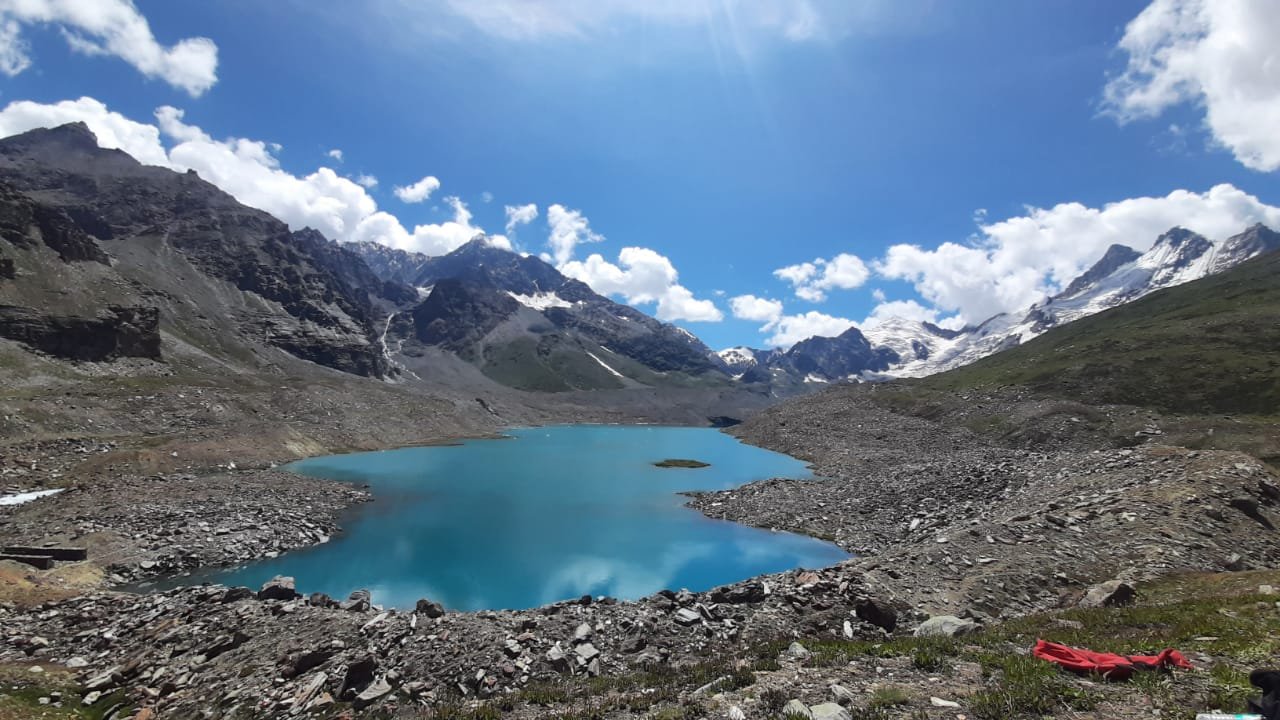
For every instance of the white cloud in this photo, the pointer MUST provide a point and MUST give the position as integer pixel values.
(642, 276)
(1222, 56)
(793, 20)
(905, 309)
(791, 329)
(756, 309)
(418, 191)
(366, 181)
(431, 238)
(518, 215)
(109, 27)
(336, 154)
(569, 228)
(13, 49)
(486, 196)
(1018, 261)
(247, 169)
(812, 280)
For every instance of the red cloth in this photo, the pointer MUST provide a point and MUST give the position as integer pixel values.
(1115, 667)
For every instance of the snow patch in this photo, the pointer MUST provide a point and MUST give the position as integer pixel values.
(27, 497)
(605, 365)
(541, 301)
(424, 291)
(811, 378)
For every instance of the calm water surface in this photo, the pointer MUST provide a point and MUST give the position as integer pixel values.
(550, 514)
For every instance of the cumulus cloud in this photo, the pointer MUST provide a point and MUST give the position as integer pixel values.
(518, 215)
(812, 280)
(108, 27)
(1017, 261)
(791, 329)
(905, 309)
(756, 309)
(569, 228)
(248, 170)
(366, 181)
(1222, 56)
(419, 191)
(642, 276)
(336, 154)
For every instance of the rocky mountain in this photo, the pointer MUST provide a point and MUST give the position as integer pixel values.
(150, 260)
(389, 263)
(909, 348)
(103, 257)
(524, 324)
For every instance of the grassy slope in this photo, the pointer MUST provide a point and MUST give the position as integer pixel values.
(1209, 346)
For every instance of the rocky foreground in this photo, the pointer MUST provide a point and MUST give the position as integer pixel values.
(953, 532)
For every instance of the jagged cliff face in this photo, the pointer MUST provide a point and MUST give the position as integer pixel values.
(220, 274)
(524, 324)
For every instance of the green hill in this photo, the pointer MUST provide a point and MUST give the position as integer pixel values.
(1209, 346)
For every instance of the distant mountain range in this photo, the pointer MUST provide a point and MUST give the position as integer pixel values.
(102, 257)
(907, 348)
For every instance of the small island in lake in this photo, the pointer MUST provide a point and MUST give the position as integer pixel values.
(678, 463)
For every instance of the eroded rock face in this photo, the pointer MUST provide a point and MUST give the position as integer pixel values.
(60, 189)
(27, 223)
(116, 332)
(7, 269)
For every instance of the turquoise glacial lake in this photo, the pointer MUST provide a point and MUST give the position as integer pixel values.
(548, 514)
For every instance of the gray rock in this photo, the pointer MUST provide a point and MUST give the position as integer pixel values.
(798, 651)
(358, 601)
(430, 609)
(877, 613)
(796, 709)
(829, 711)
(279, 588)
(843, 695)
(687, 616)
(1113, 593)
(376, 691)
(945, 626)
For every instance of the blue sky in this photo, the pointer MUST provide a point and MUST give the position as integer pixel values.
(948, 160)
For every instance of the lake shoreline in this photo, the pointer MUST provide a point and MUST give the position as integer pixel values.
(901, 573)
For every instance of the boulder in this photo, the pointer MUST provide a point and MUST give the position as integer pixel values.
(798, 651)
(279, 587)
(1113, 593)
(751, 592)
(319, 599)
(829, 711)
(372, 694)
(688, 616)
(358, 601)
(878, 613)
(236, 594)
(430, 609)
(945, 626)
(796, 709)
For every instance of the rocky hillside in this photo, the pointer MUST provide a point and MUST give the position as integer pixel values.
(141, 249)
(1206, 346)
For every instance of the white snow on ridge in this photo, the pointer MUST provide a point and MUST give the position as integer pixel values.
(812, 378)
(737, 356)
(27, 497)
(541, 301)
(605, 365)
